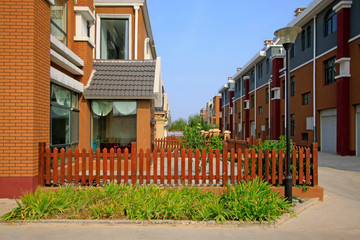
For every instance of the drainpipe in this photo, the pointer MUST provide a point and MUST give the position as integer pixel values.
(269, 101)
(136, 8)
(255, 106)
(314, 80)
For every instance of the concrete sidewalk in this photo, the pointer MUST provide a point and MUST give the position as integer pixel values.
(338, 217)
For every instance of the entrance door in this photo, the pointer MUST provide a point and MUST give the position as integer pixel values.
(252, 128)
(357, 130)
(328, 130)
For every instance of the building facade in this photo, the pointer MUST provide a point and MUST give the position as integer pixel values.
(324, 83)
(74, 74)
(213, 111)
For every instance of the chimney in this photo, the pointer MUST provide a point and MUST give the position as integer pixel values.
(268, 42)
(230, 79)
(299, 10)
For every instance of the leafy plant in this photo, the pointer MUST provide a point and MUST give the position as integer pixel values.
(253, 201)
(193, 138)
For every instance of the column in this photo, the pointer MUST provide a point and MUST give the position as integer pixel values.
(343, 78)
(277, 64)
(246, 107)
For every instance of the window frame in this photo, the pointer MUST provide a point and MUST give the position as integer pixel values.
(98, 32)
(330, 18)
(306, 98)
(330, 66)
(308, 36)
(292, 125)
(292, 86)
(72, 109)
(303, 40)
(52, 23)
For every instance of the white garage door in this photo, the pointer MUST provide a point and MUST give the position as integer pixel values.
(252, 128)
(358, 130)
(328, 130)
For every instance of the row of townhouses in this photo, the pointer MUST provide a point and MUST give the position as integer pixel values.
(324, 83)
(75, 74)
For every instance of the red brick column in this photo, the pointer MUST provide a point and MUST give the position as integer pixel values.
(277, 64)
(231, 116)
(24, 92)
(247, 111)
(343, 78)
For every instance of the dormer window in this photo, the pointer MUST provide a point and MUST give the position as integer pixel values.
(58, 15)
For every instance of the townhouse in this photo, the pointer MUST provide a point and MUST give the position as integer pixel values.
(74, 74)
(324, 83)
(213, 110)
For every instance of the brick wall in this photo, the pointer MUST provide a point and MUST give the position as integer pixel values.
(24, 91)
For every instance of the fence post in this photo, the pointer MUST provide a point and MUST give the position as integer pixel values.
(133, 163)
(225, 160)
(315, 162)
(42, 146)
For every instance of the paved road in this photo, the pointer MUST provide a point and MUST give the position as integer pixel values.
(338, 217)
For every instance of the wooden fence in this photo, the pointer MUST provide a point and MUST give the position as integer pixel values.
(174, 167)
(173, 143)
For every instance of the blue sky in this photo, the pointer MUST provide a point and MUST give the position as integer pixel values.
(202, 42)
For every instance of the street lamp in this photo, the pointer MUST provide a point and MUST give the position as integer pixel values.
(287, 37)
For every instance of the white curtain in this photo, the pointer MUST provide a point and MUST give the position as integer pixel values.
(62, 95)
(101, 107)
(124, 108)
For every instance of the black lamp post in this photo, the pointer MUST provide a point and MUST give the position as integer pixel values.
(287, 37)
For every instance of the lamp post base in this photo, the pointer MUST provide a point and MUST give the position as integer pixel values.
(288, 188)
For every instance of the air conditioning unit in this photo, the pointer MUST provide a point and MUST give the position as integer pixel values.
(246, 104)
(309, 123)
(230, 110)
(275, 93)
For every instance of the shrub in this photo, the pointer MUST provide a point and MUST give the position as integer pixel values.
(193, 138)
(252, 201)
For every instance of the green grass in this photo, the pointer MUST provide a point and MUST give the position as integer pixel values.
(253, 201)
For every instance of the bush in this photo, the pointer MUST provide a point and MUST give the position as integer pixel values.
(193, 138)
(253, 201)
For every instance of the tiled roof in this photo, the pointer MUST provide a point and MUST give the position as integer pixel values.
(122, 79)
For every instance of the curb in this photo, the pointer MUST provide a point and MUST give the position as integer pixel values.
(299, 208)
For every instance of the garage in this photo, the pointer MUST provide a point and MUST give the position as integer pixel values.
(357, 130)
(328, 130)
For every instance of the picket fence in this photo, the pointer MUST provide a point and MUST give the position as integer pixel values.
(174, 167)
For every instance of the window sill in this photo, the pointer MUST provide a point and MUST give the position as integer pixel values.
(84, 39)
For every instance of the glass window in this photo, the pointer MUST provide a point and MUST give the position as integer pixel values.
(114, 39)
(260, 110)
(267, 95)
(252, 76)
(60, 126)
(283, 125)
(283, 89)
(267, 127)
(303, 40)
(292, 52)
(330, 71)
(308, 36)
(330, 22)
(252, 101)
(267, 66)
(292, 86)
(304, 136)
(214, 121)
(64, 130)
(114, 123)
(292, 125)
(58, 15)
(306, 98)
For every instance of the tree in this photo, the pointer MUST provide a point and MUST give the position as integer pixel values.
(178, 125)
